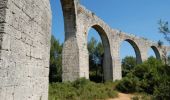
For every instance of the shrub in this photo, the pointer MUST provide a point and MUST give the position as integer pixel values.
(128, 85)
(142, 78)
(162, 92)
(151, 77)
(142, 97)
(135, 98)
(81, 89)
(128, 63)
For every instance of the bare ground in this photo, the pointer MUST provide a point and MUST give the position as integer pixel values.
(122, 96)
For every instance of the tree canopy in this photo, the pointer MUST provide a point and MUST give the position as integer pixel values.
(128, 63)
(55, 61)
(96, 52)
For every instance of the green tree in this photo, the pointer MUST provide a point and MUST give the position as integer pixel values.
(161, 91)
(55, 61)
(164, 29)
(151, 77)
(96, 52)
(128, 63)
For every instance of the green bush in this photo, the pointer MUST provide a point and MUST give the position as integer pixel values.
(135, 98)
(151, 77)
(128, 85)
(81, 89)
(128, 63)
(142, 97)
(147, 77)
(162, 90)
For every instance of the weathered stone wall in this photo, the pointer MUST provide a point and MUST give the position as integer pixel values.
(25, 31)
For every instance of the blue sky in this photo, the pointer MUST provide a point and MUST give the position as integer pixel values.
(139, 17)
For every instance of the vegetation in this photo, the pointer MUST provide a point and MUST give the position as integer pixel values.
(140, 96)
(81, 89)
(96, 53)
(128, 63)
(164, 29)
(55, 61)
(151, 77)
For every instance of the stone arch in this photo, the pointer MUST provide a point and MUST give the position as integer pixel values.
(136, 49)
(107, 60)
(156, 51)
(167, 57)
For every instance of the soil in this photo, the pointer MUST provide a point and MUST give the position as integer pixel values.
(122, 96)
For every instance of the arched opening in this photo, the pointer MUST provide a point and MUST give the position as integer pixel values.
(153, 52)
(99, 55)
(96, 52)
(168, 58)
(130, 56)
(57, 39)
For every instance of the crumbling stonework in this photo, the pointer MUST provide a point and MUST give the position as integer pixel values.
(25, 31)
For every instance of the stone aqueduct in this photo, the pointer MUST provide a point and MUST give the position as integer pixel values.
(25, 31)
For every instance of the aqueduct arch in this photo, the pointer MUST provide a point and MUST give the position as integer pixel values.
(25, 31)
(136, 49)
(157, 54)
(107, 61)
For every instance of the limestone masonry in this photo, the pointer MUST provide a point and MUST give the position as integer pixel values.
(25, 32)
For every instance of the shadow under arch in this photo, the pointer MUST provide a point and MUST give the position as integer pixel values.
(107, 59)
(136, 49)
(157, 54)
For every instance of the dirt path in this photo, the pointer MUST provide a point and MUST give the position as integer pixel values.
(122, 96)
